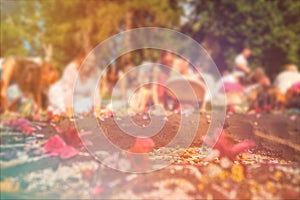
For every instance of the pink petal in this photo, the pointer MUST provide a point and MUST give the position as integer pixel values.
(68, 152)
(97, 190)
(242, 146)
(59, 130)
(54, 145)
(225, 145)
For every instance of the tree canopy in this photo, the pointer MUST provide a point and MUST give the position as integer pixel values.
(270, 28)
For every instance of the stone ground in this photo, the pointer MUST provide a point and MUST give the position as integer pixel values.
(267, 171)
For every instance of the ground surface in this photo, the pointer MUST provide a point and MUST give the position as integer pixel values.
(269, 170)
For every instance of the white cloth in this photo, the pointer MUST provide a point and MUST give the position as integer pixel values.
(239, 60)
(56, 97)
(286, 79)
(83, 95)
(62, 88)
(210, 85)
(13, 92)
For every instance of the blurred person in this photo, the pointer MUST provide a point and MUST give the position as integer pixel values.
(140, 98)
(288, 82)
(230, 86)
(111, 78)
(31, 77)
(161, 75)
(86, 96)
(241, 67)
(262, 96)
(128, 80)
(226, 77)
(287, 78)
(124, 88)
(293, 96)
(60, 93)
(257, 78)
(265, 98)
(181, 66)
(142, 95)
(63, 97)
(209, 81)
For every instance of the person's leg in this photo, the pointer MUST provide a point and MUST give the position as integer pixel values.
(8, 70)
(146, 95)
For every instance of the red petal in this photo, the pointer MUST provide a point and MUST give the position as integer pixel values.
(72, 138)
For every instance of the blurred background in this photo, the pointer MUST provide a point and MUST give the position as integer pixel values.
(270, 28)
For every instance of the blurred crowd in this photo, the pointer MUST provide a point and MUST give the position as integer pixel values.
(33, 85)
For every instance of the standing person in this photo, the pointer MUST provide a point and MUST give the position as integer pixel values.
(128, 80)
(140, 99)
(241, 67)
(111, 78)
(161, 75)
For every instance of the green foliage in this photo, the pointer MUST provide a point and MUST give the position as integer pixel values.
(74, 25)
(268, 27)
(271, 28)
(19, 24)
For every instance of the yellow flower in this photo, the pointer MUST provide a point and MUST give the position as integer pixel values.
(237, 173)
(244, 156)
(255, 186)
(277, 175)
(7, 185)
(270, 186)
(223, 175)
